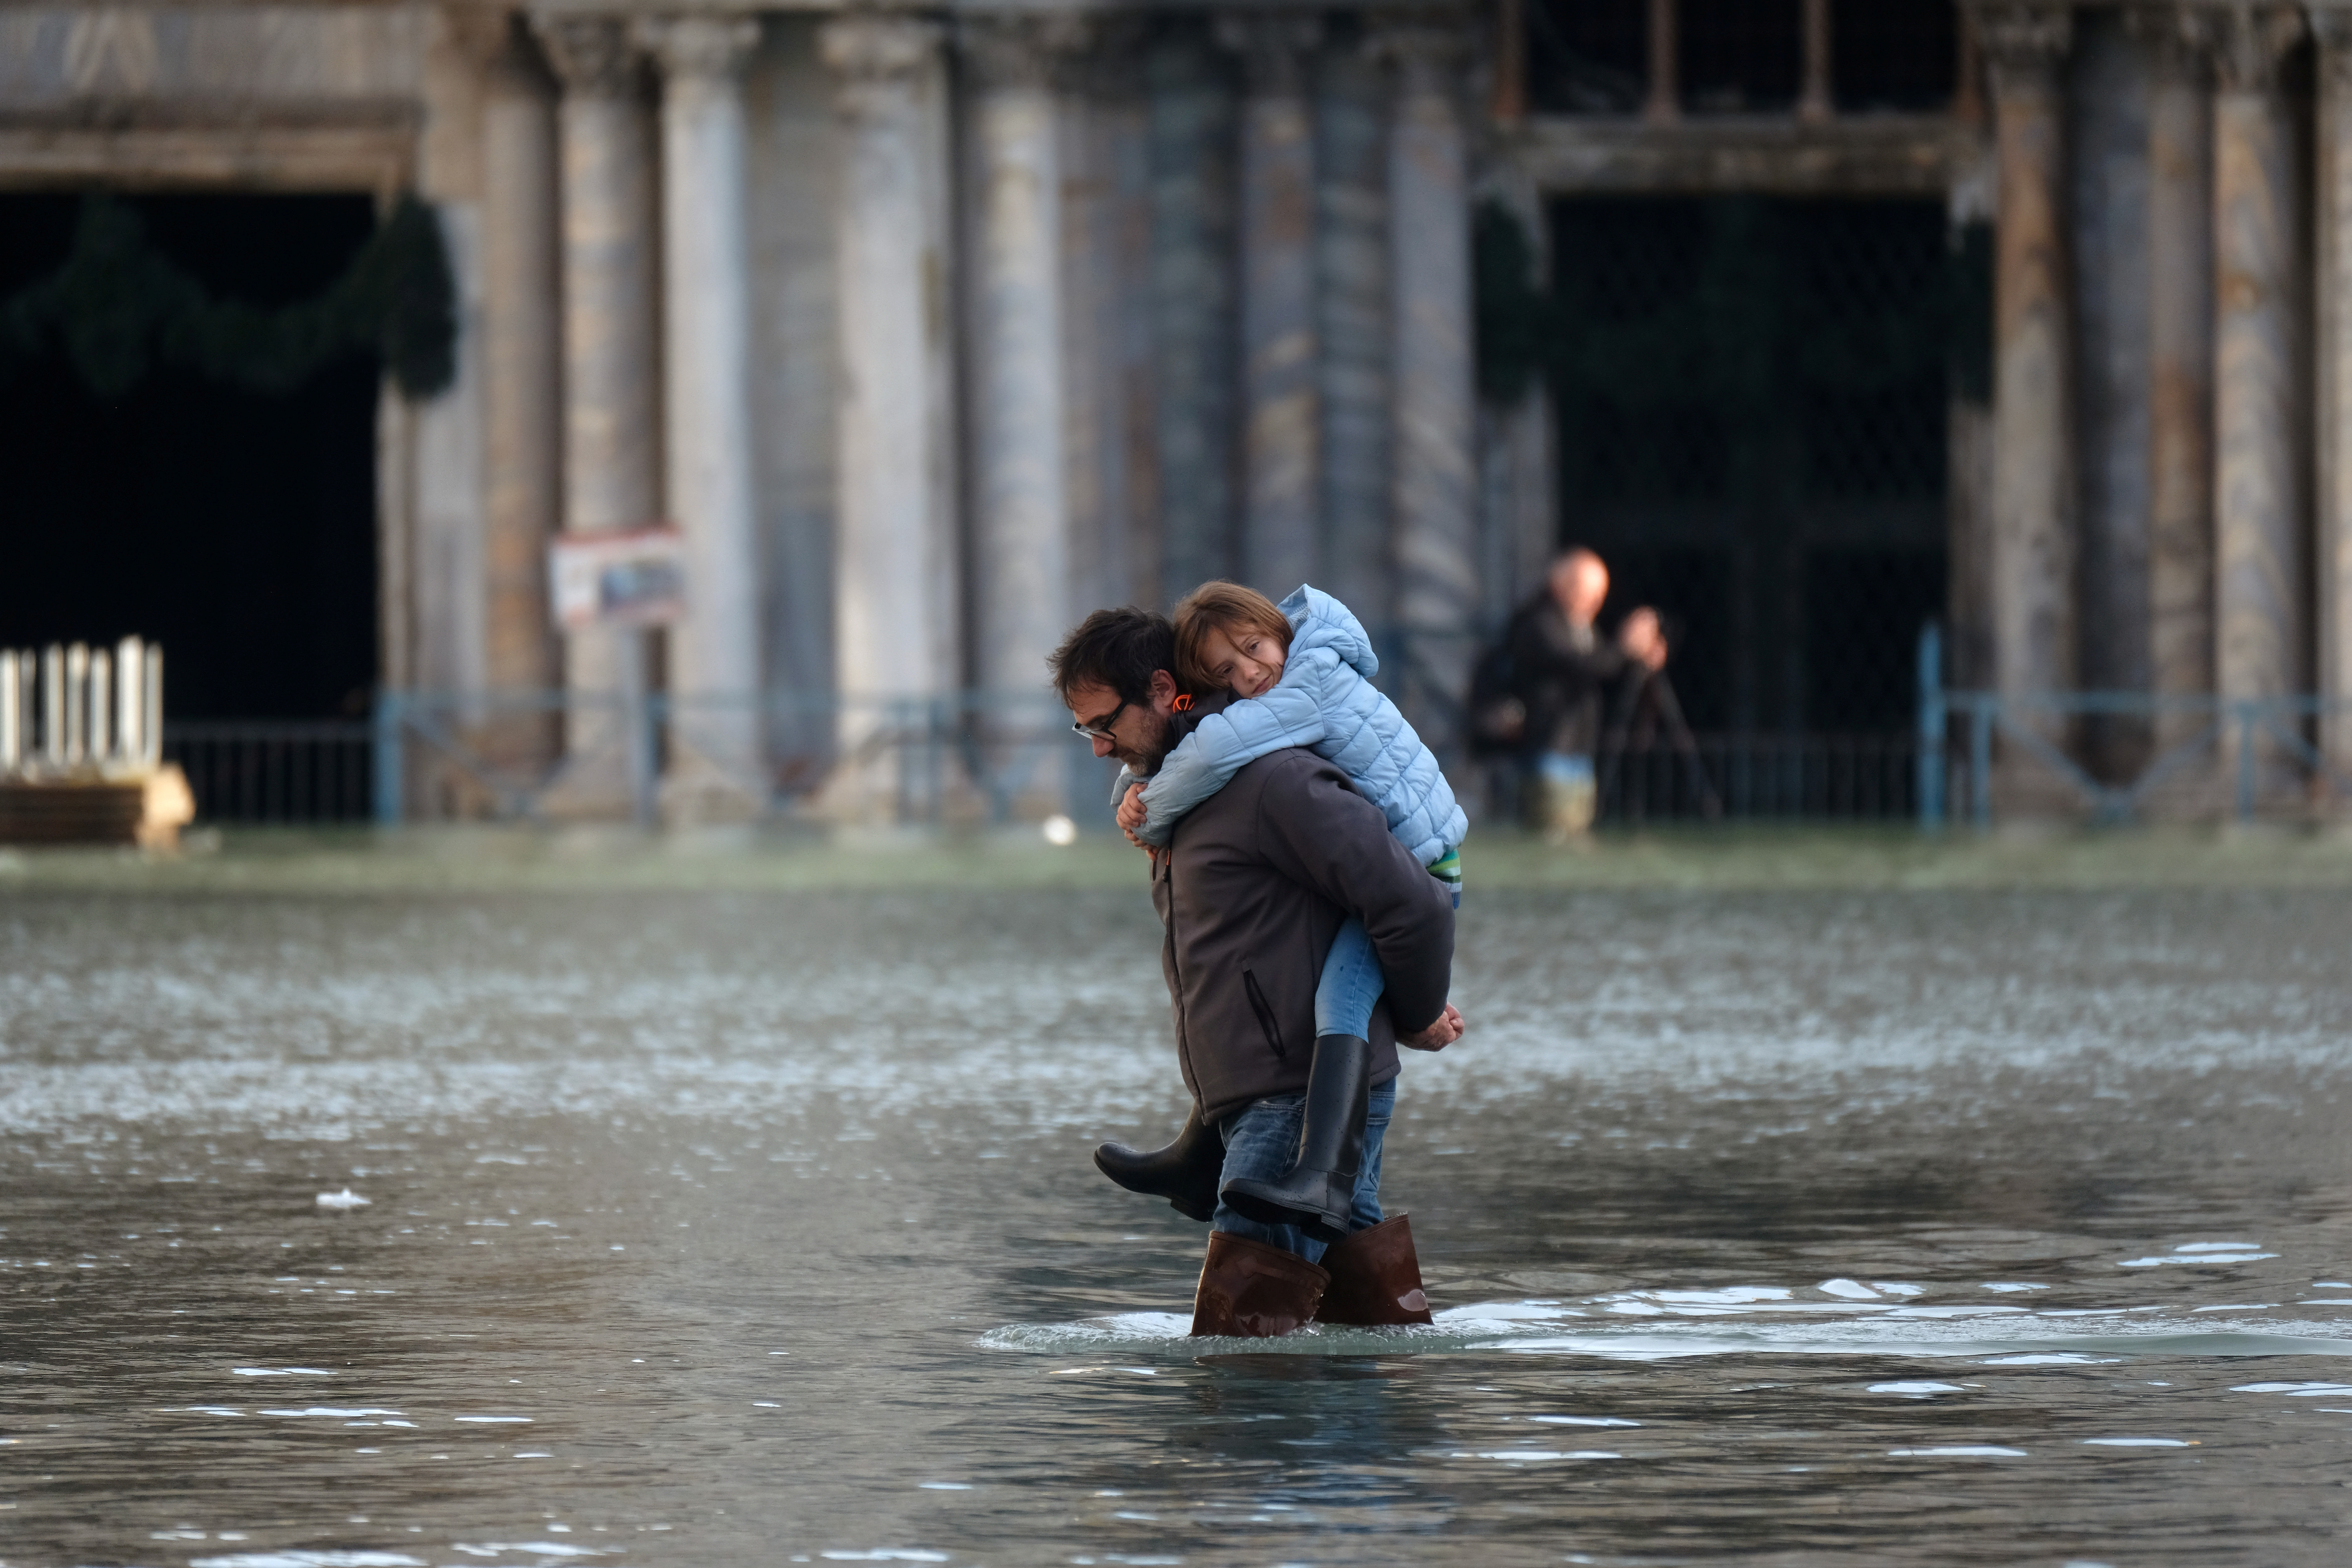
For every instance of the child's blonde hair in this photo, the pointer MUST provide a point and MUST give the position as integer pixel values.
(1229, 607)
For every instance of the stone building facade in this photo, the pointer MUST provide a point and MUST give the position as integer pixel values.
(932, 327)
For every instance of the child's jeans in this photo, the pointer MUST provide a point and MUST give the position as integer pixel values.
(1353, 980)
(1262, 1141)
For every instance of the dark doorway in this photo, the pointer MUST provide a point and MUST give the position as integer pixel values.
(1752, 398)
(237, 528)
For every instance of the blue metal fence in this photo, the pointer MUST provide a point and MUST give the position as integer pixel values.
(2243, 746)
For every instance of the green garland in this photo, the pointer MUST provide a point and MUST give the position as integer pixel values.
(118, 308)
(1513, 319)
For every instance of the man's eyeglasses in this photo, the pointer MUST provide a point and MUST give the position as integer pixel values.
(1100, 729)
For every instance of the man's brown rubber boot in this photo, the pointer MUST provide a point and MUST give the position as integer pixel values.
(1375, 1277)
(1251, 1291)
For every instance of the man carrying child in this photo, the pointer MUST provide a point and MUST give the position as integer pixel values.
(1255, 882)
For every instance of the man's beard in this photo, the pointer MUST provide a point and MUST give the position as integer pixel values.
(1145, 759)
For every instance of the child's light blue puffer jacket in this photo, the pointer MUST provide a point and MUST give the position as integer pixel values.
(1326, 702)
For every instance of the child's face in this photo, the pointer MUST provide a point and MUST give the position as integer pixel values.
(1242, 660)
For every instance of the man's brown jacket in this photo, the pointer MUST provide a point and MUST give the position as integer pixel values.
(1252, 887)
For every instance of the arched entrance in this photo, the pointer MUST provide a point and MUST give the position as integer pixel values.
(237, 527)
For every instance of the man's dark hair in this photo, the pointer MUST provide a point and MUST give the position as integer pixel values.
(1119, 649)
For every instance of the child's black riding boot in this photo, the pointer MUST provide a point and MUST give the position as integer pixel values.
(1185, 1172)
(1320, 1189)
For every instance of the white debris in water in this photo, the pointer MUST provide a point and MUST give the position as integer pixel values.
(2065, 1360)
(545, 1548)
(346, 1199)
(1521, 1454)
(281, 1372)
(2202, 1252)
(2136, 1443)
(2011, 1285)
(1582, 1421)
(337, 1410)
(2294, 1390)
(1914, 1390)
(1847, 1290)
(493, 1420)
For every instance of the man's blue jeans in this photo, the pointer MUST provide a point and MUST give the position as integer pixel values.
(1261, 1140)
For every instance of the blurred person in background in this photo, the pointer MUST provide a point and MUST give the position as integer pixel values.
(1560, 668)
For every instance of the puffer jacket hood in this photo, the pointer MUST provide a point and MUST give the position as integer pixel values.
(1318, 620)
(1365, 735)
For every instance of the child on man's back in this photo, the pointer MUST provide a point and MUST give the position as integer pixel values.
(1299, 674)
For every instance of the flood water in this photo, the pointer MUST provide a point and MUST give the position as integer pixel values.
(720, 1228)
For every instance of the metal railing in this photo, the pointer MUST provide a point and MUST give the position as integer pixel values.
(261, 771)
(924, 756)
(2248, 753)
(1801, 777)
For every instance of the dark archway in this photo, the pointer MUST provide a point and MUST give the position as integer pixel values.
(1752, 397)
(237, 527)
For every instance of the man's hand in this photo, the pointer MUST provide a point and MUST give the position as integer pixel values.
(1448, 1028)
(1130, 810)
(1642, 640)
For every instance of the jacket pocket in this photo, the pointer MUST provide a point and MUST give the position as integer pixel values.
(1265, 1019)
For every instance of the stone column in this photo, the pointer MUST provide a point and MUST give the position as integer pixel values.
(716, 770)
(1433, 398)
(1354, 304)
(2257, 492)
(1021, 556)
(2181, 365)
(1282, 443)
(2334, 27)
(2034, 544)
(894, 633)
(522, 383)
(1191, 135)
(1107, 339)
(611, 472)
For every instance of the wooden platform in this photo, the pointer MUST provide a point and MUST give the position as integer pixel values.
(145, 812)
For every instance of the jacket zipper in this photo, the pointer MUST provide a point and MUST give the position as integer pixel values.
(1265, 1019)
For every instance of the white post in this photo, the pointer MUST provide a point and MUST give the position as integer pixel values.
(101, 706)
(151, 723)
(130, 710)
(53, 706)
(77, 708)
(12, 719)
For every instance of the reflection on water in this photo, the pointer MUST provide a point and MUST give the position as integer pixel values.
(734, 1228)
